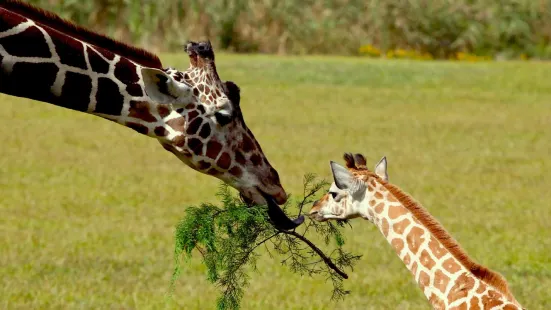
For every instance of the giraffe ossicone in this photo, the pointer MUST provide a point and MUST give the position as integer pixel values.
(448, 277)
(192, 113)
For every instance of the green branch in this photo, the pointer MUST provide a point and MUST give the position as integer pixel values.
(229, 239)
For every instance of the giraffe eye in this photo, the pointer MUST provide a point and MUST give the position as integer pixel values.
(222, 119)
(333, 194)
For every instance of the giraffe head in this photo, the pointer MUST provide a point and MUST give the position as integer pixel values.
(348, 195)
(215, 139)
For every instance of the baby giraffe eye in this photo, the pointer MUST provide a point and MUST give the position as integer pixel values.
(333, 194)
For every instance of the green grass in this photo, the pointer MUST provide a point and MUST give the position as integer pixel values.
(88, 208)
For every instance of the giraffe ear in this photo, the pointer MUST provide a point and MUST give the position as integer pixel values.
(162, 88)
(343, 178)
(380, 169)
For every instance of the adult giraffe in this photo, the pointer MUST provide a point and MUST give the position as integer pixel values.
(193, 114)
(449, 278)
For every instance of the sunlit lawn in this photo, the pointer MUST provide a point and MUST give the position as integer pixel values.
(88, 208)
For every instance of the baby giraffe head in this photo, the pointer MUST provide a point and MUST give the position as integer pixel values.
(352, 190)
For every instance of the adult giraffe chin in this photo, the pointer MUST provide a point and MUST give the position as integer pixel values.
(192, 113)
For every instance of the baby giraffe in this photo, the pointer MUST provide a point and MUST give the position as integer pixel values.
(448, 277)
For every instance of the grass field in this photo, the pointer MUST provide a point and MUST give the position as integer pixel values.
(88, 208)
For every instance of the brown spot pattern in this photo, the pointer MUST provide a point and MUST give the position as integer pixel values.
(70, 51)
(97, 63)
(437, 303)
(247, 144)
(441, 281)
(16, 45)
(391, 198)
(414, 239)
(213, 149)
(193, 127)
(379, 208)
(461, 288)
(378, 195)
(107, 54)
(426, 260)
(401, 226)
(236, 171)
(160, 131)
(134, 90)
(462, 306)
(436, 247)
(240, 158)
(205, 131)
(163, 110)
(481, 288)
(192, 114)
(213, 171)
(126, 71)
(397, 244)
(451, 266)
(180, 141)
(396, 211)
(195, 145)
(474, 303)
(140, 110)
(109, 100)
(492, 299)
(177, 123)
(201, 109)
(424, 279)
(224, 161)
(138, 127)
(256, 159)
(384, 227)
(407, 260)
(203, 165)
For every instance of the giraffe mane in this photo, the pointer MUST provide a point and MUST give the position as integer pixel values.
(484, 274)
(49, 19)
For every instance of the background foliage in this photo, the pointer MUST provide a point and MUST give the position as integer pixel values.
(439, 28)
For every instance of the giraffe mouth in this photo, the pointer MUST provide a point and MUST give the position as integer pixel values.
(196, 50)
(278, 217)
(189, 48)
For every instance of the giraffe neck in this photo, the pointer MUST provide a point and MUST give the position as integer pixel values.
(438, 270)
(41, 63)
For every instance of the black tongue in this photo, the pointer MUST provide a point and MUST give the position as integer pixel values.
(279, 217)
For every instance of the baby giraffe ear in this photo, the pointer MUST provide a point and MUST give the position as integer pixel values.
(343, 178)
(380, 169)
(162, 88)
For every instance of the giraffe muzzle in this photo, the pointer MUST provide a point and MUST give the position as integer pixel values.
(201, 49)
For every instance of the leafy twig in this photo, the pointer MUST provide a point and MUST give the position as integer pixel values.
(326, 259)
(228, 239)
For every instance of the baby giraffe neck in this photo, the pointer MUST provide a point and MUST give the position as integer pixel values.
(437, 267)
